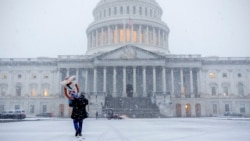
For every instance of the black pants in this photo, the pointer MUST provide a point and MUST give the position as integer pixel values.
(78, 125)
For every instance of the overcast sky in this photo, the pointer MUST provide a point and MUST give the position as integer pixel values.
(48, 28)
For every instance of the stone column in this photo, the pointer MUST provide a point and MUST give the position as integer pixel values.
(88, 37)
(154, 35)
(92, 40)
(191, 83)
(131, 34)
(86, 80)
(199, 80)
(144, 81)
(102, 38)
(140, 33)
(95, 78)
(96, 38)
(182, 87)
(109, 35)
(67, 73)
(124, 32)
(117, 36)
(124, 81)
(114, 82)
(159, 37)
(154, 80)
(59, 79)
(164, 79)
(134, 80)
(104, 80)
(172, 82)
(77, 74)
(147, 36)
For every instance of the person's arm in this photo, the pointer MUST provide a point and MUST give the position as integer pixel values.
(66, 93)
(77, 88)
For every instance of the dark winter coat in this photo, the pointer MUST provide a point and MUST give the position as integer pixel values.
(79, 108)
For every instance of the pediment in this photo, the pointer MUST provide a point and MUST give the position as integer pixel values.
(129, 52)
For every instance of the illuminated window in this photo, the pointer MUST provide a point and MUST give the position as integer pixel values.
(128, 35)
(135, 36)
(121, 35)
(33, 92)
(212, 75)
(45, 92)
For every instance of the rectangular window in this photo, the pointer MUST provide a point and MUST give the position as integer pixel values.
(227, 109)
(213, 91)
(17, 107)
(115, 11)
(44, 108)
(32, 109)
(214, 108)
(242, 108)
(18, 90)
(121, 35)
(225, 89)
(127, 9)
(1, 108)
(128, 35)
(121, 10)
(134, 10)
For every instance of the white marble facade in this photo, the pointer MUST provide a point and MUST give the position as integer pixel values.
(128, 47)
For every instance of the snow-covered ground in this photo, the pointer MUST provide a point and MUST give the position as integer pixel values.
(170, 129)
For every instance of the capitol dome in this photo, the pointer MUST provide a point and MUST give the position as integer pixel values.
(119, 23)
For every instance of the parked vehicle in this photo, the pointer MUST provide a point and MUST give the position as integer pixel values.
(8, 114)
(232, 114)
(13, 114)
(19, 114)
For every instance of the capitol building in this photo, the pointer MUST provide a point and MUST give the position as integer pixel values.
(128, 67)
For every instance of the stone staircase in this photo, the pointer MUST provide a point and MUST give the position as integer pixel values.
(139, 107)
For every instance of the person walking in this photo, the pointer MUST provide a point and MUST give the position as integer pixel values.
(96, 114)
(79, 112)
